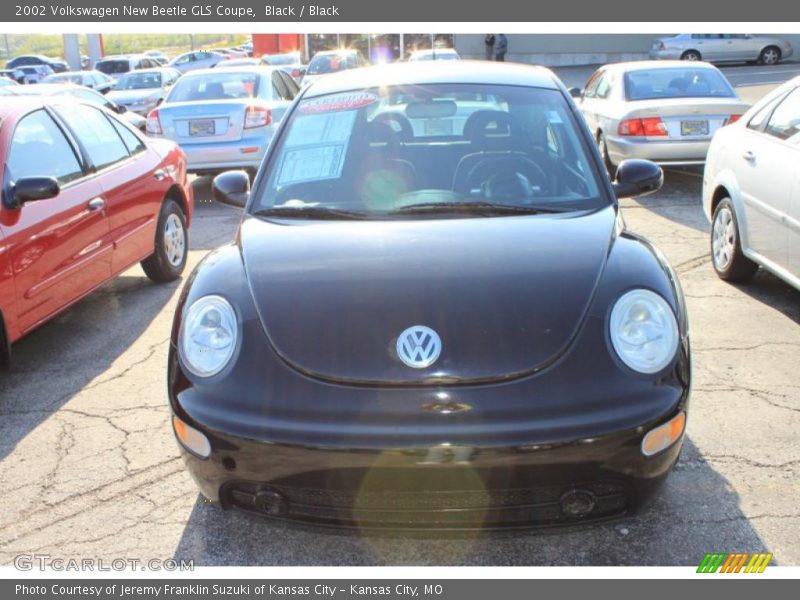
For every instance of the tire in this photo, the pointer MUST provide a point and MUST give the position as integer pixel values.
(171, 245)
(602, 148)
(691, 55)
(729, 261)
(771, 55)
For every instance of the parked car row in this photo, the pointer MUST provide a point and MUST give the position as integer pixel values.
(679, 114)
(481, 171)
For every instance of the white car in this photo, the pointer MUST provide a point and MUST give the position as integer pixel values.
(434, 54)
(751, 190)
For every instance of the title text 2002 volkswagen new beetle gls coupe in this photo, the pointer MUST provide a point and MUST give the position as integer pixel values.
(432, 315)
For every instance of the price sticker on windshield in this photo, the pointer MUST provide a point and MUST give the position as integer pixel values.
(337, 102)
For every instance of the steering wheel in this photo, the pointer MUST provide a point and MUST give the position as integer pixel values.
(398, 122)
(504, 177)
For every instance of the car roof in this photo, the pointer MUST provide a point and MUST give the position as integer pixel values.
(121, 57)
(333, 52)
(150, 70)
(465, 71)
(48, 89)
(12, 104)
(638, 65)
(257, 68)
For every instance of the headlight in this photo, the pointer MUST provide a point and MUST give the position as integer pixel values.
(208, 335)
(644, 331)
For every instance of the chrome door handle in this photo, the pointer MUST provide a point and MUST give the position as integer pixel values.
(159, 174)
(749, 156)
(97, 204)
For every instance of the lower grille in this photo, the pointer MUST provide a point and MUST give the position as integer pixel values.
(520, 507)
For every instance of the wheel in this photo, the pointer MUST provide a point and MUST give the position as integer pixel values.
(770, 56)
(169, 259)
(691, 55)
(602, 147)
(729, 261)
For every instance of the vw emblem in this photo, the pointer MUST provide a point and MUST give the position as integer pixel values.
(419, 346)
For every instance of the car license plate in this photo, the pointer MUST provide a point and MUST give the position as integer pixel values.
(204, 127)
(699, 127)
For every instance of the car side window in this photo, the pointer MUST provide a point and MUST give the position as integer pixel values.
(279, 87)
(291, 85)
(37, 136)
(785, 120)
(134, 144)
(759, 120)
(182, 60)
(591, 86)
(604, 86)
(95, 133)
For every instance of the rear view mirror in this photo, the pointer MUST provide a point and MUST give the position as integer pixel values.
(636, 177)
(31, 189)
(232, 188)
(576, 92)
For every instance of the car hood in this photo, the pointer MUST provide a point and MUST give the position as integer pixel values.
(506, 295)
(132, 96)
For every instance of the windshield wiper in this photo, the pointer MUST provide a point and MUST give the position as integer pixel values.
(482, 208)
(309, 212)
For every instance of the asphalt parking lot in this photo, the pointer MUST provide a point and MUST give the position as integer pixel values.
(90, 468)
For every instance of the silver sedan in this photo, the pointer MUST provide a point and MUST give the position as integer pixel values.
(224, 118)
(665, 111)
(722, 47)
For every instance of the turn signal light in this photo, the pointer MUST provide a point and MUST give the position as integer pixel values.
(650, 127)
(153, 122)
(257, 116)
(663, 436)
(191, 439)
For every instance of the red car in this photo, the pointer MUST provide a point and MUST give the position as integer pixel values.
(84, 197)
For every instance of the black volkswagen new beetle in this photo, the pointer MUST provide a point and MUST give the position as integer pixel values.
(432, 315)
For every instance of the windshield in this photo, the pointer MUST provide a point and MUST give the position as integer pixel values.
(113, 67)
(330, 63)
(139, 81)
(66, 78)
(214, 86)
(434, 148)
(282, 59)
(434, 55)
(676, 83)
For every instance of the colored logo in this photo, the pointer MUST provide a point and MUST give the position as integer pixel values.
(740, 562)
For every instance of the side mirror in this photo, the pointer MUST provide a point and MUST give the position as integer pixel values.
(31, 189)
(121, 109)
(576, 93)
(232, 188)
(636, 177)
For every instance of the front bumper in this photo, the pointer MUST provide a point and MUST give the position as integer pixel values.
(667, 152)
(433, 487)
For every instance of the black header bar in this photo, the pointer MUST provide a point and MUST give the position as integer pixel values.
(713, 12)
